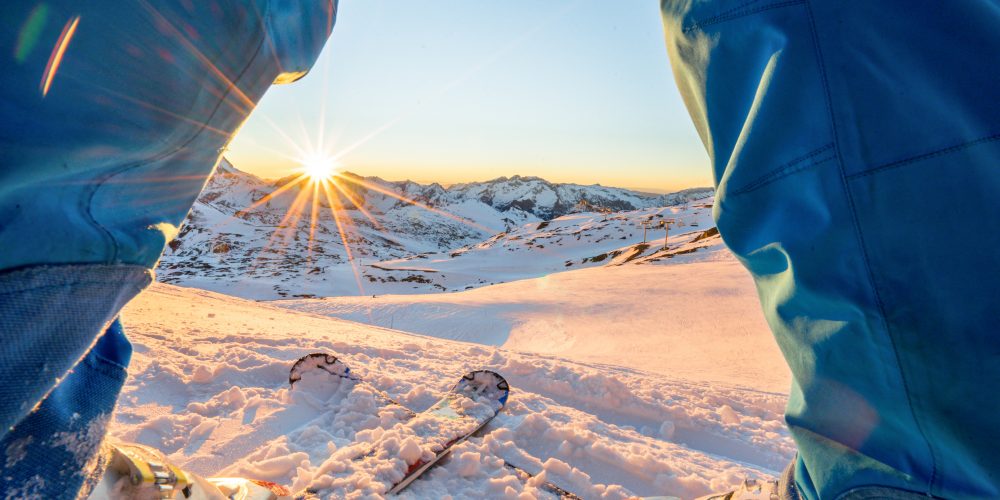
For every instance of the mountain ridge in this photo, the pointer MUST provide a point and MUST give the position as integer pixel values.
(257, 238)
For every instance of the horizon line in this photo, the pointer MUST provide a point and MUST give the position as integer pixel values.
(448, 185)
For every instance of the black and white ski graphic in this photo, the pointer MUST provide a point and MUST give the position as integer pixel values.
(455, 419)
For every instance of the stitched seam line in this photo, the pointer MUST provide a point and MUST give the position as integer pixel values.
(105, 366)
(864, 252)
(729, 16)
(781, 175)
(56, 286)
(926, 156)
(112, 280)
(728, 12)
(794, 166)
(5, 274)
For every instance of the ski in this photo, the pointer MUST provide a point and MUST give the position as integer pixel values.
(524, 476)
(471, 404)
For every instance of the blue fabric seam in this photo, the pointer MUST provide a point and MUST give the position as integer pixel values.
(61, 285)
(863, 247)
(792, 167)
(115, 371)
(723, 13)
(926, 156)
(733, 14)
(135, 268)
(32, 267)
(110, 239)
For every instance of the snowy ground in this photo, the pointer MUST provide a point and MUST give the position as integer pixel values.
(208, 386)
(698, 321)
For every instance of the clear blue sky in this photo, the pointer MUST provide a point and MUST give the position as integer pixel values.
(462, 90)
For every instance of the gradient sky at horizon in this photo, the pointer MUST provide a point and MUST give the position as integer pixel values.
(457, 91)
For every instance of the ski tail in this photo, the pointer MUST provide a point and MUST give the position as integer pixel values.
(548, 486)
(321, 361)
(484, 384)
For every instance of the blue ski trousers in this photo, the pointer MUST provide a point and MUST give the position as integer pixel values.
(112, 115)
(855, 147)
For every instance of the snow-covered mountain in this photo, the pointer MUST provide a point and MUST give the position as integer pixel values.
(255, 238)
(546, 200)
(566, 243)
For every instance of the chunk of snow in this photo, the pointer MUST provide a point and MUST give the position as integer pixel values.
(410, 450)
(728, 415)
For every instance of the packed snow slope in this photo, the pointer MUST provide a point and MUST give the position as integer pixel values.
(697, 320)
(239, 238)
(208, 385)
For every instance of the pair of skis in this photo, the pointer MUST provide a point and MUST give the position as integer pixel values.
(465, 411)
(426, 437)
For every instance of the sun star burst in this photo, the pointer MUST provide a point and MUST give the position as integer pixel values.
(320, 167)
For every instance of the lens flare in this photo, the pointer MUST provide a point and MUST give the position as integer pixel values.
(55, 59)
(319, 167)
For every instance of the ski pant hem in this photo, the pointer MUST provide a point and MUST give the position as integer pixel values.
(788, 490)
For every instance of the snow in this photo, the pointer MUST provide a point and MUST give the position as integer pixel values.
(208, 386)
(667, 319)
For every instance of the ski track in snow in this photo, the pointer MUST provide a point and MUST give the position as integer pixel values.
(208, 386)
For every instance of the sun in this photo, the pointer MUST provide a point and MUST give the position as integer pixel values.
(320, 167)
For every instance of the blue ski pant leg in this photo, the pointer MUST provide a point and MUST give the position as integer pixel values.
(112, 116)
(49, 452)
(855, 146)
